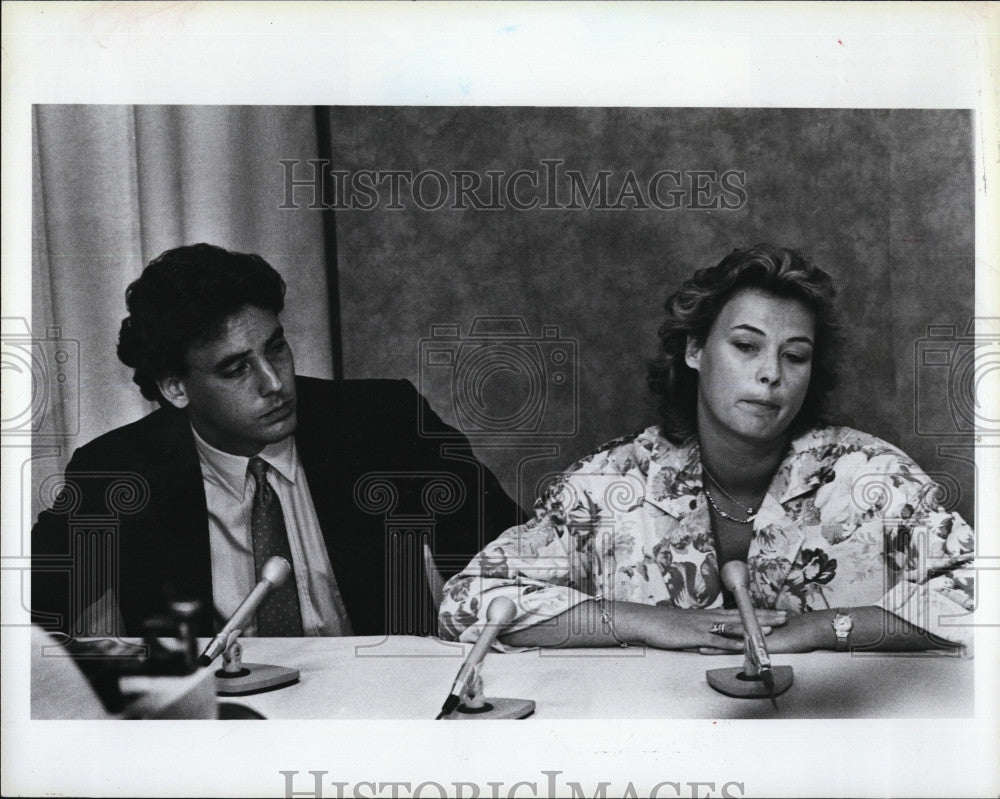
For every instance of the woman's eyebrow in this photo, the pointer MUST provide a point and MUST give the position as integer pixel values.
(751, 328)
(759, 332)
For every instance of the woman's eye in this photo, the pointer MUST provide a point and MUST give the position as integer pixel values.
(744, 346)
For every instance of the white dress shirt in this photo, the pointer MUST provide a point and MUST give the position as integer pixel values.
(229, 492)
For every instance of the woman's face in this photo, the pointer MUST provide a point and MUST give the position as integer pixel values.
(754, 367)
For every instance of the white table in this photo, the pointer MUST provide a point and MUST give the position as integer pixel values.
(408, 678)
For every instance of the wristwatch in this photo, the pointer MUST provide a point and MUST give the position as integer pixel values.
(842, 624)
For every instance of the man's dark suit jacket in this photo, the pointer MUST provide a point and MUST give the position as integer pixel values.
(133, 513)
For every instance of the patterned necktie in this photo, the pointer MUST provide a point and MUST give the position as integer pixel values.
(279, 614)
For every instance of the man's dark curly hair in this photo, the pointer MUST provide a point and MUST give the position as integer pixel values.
(182, 299)
(693, 309)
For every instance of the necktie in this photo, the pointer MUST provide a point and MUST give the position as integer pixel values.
(279, 614)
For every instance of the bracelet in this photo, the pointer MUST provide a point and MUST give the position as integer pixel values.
(599, 598)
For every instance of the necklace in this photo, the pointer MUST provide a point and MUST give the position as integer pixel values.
(721, 512)
(751, 512)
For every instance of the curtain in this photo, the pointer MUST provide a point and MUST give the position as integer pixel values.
(114, 186)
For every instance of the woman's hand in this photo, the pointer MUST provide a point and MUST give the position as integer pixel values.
(802, 632)
(670, 628)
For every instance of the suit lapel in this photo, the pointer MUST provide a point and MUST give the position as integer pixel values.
(321, 450)
(187, 555)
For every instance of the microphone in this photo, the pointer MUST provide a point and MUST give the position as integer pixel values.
(274, 574)
(757, 678)
(737, 579)
(499, 613)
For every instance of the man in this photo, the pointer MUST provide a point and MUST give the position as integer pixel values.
(243, 461)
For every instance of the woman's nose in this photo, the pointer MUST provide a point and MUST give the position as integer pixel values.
(768, 370)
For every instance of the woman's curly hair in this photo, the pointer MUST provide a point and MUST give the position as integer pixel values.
(182, 300)
(693, 309)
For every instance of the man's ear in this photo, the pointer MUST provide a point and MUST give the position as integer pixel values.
(692, 353)
(173, 391)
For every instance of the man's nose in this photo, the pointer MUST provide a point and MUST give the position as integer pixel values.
(270, 380)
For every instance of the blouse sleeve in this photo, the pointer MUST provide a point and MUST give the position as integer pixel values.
(542, 566)
(927, 553)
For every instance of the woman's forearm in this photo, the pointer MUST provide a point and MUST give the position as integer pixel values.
(873, 630)
(634, 623)
(669, 628)
(580, 626)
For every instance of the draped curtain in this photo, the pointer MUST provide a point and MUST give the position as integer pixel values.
(114, 186)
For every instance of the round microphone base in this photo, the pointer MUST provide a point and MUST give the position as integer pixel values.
(254, 678)
(493, 709)
(733, 682)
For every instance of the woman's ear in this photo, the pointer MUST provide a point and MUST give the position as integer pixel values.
(692, 353)
(173, 391)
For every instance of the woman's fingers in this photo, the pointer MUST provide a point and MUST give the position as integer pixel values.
(735, 629)
(773, 618)
(723, 645)
(713, 650)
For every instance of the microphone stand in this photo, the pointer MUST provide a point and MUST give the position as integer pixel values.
(237, 678)
(476, 707)
(466, 702)
(752, 680)
(757, 678)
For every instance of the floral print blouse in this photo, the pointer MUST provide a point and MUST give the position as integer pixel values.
(848, 520)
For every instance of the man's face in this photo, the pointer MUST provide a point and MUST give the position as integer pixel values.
(239, 390)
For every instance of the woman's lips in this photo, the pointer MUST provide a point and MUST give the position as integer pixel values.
(761, 406)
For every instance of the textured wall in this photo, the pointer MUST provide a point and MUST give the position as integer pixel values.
(881, 199)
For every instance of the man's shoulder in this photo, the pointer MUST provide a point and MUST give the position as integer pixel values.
(358, 399)
(162, 427)
(363, 388)
(373, 408)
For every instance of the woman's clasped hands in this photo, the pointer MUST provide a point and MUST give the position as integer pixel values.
(711, 631)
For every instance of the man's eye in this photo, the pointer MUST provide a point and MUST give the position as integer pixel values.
(237, 370)
(278, 346)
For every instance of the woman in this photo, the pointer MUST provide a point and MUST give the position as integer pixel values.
(845, 542)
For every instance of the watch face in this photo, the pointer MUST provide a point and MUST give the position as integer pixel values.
(842, 623)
